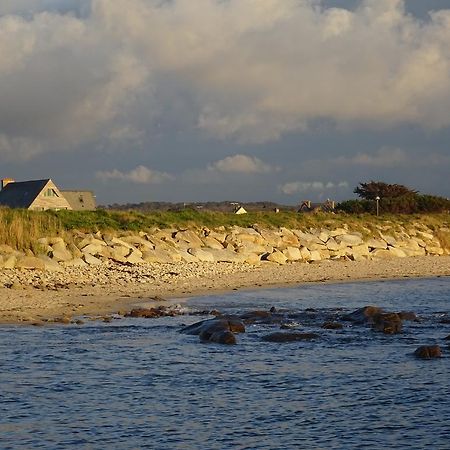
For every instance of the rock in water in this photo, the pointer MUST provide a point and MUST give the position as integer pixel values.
(332, 326)
(428, 352)
(289, 337)
(220, 330)
(363, 315)
(388, 323)
(223, 337)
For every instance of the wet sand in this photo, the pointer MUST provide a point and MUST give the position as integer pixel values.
(27, 305)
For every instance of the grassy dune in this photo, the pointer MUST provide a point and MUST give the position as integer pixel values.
(21, 228)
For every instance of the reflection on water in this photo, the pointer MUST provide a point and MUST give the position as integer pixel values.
(138, 383)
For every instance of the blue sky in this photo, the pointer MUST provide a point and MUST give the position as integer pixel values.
(197, 100)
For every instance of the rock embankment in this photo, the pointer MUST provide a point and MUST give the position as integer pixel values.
(234, 245)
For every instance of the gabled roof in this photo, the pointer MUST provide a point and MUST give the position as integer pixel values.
(21, 194)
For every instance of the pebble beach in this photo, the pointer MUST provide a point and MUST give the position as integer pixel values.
(34, 297)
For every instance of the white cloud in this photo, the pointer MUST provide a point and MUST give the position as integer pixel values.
(386, 157)
(241, 164)
(140, 175)
(250, 70)
(297, 187)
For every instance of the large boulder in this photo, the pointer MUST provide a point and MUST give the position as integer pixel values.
(277, 257)
(349, 239)
(30, 262)
(292, 253)
(376, 244)
(190, 237)
(388, 323)
(201, 255)
(219, 330)
(428, 352)
(363, 315)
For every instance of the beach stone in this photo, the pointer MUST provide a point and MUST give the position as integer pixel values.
(10, 262)
(251, 258)
(94, 249)
(76, 262)
(288, 237)
(187, 257)
(292, 253)
(229, 323)
(135, 257)
(211, 242)
(408, 316)
(218, 330)
(289, 336)
(425, 235)
(251, 247)
(333, 245)
(227, 255)
(50, 265)
(388, 323)
(306, 238)
(277, 257)
(349, 239)
(201, 255)
(315, 256)
(189, 236)
(382, 254)
(143, 313)
(332, 326)
(428, 352)
(397, 252)
(434, 250)
(90, 240)
(61, 254)
(271, 238)
(91, 260)
(324, 236)
(376, 244)
(363, 315)
(30, 262)
(223, 337)
(305, 253)
(390, 240)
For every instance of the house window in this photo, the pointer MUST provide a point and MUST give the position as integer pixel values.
(50, 193)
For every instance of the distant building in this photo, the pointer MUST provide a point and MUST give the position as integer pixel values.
(80, 200)
(240, 210)
(37, 195)
(308, 206)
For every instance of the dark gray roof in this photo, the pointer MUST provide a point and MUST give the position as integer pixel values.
(80, 200)
(21, 194)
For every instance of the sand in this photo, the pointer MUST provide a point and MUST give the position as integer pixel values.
(30, 305)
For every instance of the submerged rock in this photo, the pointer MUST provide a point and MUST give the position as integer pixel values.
(428, 352)
(332, 326)
(409, 316)
(388, 323)
(289, 336)
(363, 315)
(219, 330)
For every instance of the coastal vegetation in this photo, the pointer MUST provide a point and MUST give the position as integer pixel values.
(21, 228)
(393, 199)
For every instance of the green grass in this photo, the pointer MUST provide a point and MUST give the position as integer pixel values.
(21, 228)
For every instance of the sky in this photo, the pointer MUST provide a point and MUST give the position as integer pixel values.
(211, 100)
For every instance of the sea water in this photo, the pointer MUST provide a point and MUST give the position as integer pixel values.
(140, 383)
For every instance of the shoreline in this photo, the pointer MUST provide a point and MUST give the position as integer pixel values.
(30, 305)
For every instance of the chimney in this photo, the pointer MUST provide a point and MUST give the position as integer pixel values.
(5, 182)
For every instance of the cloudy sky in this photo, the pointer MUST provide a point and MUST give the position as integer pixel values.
(196, 100)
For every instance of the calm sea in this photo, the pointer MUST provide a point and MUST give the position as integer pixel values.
(137, 383)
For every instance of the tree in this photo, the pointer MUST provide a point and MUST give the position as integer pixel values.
(373, 189)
